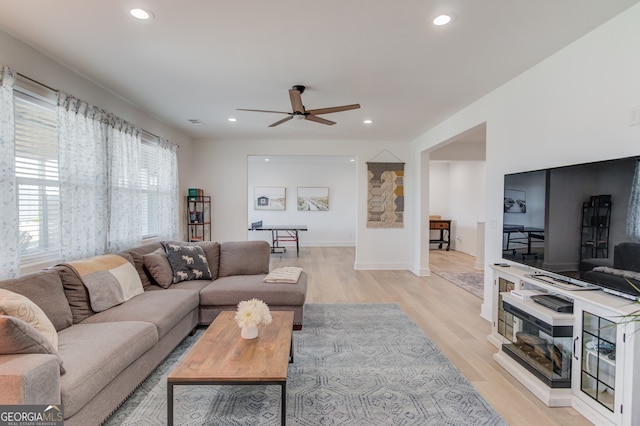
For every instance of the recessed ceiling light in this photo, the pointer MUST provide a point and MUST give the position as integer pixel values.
(368, 121)
(353, 160)
(233, 119)
(442, 20)
(141, 14)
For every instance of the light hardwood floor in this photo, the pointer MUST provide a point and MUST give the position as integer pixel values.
(448, 315)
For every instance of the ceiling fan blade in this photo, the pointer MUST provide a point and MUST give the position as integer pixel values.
(277, 123)
(262, 110)
(296, 100)
(333, 109)
(319, 120)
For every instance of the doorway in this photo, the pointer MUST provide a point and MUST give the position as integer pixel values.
(313, 191)
(457, 193)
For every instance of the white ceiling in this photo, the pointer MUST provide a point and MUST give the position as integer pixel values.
(202, 59)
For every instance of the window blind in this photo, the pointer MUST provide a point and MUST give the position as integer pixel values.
(149, 185)
(36, 162)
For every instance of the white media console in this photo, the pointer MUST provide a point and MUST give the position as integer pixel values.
(588, 359)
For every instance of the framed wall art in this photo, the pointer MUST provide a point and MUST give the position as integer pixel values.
(385, 197)
(515, 201)
(313, 199)
(269, 198)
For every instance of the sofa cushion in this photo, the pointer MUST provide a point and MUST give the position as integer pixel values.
(193, 285)
(110, 280)
(164, 308)
(187, 261)
(158, 266)
(44, 288)
(18, 306)
(94, 354)
(244, 258)
(232, 290)
(18, 337)
(75, 292)
(137, 254)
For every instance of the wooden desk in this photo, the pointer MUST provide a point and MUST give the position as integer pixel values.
(444, 226)
(222, 357)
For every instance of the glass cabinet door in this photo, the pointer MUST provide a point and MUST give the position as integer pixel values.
(598, 369)
(505, 319)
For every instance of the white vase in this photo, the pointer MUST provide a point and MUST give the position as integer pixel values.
(249, 332)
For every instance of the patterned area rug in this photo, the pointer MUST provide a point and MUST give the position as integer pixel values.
(355, 364)
(473, 282)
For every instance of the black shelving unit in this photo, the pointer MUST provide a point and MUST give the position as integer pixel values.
(198, 218)
(594, 234)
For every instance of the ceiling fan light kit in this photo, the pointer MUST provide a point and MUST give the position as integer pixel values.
(299, 112)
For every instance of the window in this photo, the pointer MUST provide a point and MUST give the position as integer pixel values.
(149, 160)
(36, 162)
(59, 152)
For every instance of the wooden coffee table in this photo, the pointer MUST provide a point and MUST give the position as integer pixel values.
(222, 357)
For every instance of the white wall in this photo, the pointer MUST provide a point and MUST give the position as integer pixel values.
(439, 189)
(335, 227)
(456, 192)
(220, 168)
(467, 203)
(29, 62)
(572, 107)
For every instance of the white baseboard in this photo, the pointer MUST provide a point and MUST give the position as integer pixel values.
(381, 266)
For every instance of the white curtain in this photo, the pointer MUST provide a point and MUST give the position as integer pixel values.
(168, 210)
(633, 215)
(10, 259)
(123, 154)
(83, 178)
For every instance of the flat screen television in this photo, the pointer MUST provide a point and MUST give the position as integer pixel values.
(577, 224)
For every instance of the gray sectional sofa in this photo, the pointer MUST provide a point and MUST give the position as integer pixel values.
(102, 357)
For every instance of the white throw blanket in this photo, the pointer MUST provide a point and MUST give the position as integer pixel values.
(287, 274)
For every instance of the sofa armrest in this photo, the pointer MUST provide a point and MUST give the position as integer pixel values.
(29, 379)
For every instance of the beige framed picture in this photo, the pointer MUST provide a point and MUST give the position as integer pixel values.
(313, 198)
(269, 198)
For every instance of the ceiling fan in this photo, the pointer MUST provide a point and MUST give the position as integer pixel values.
(299, 112)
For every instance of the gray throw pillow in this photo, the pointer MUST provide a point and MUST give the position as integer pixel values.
(188, 262)
(159, 267)
(18, 337)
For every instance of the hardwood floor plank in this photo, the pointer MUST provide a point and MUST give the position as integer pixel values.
(447, 314)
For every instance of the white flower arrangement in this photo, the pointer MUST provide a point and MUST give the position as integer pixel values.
(252, 312)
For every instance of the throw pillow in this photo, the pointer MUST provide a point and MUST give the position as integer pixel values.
(188, 262)
(159, 267)
(16, 305)
(18, 337)
(44, 288)
(137, 254)
(110, 280)
(211, 252)
(76, 293)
